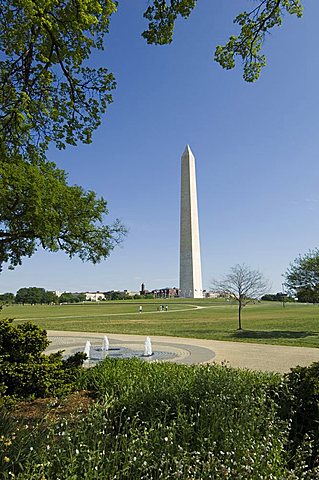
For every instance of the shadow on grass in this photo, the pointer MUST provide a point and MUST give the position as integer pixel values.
(272, 334)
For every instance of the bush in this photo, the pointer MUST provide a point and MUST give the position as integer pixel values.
(21, 343)
(25, 371)
(299, 402)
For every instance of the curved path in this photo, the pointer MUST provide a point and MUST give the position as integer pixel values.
(275, 358)
(86, 315)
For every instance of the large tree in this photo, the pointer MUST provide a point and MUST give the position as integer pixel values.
(38, 207)
(47, 91)
(49, 94)
(243, 285)
(31, 295)
(254, 25)
(302, 277)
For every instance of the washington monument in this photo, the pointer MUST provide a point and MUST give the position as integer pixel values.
(190, 272)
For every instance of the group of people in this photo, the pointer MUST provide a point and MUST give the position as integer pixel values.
(160, 308)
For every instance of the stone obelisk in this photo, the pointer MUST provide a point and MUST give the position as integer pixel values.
(190, 273)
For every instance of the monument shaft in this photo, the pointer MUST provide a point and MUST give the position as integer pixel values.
(190, 263)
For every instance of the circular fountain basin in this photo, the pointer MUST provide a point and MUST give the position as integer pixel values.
(97, 354)
(129, 347)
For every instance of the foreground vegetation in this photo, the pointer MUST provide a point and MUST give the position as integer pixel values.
(165, 421)
(265, 322)
(132, 420)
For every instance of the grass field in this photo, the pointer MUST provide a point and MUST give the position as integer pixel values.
(266, 322)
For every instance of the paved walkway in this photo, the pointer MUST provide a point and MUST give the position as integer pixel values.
(253, 356)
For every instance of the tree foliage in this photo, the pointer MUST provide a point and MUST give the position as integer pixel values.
(299, 404)
(302, 277)
(112, 295)
(7, 297)
(68, 297)
(277, 297)
(246, 45)
(38, 207)
(162, 16)
(243, 285)
(47, 92)
(34, 295)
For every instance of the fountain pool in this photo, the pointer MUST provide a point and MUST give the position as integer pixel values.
(97, 353)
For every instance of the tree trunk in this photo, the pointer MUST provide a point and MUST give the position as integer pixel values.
(239, 315)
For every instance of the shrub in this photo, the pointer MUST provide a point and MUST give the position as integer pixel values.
(25, 371)
(299, 402)
(21, 343)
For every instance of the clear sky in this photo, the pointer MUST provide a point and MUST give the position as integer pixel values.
(256, 148)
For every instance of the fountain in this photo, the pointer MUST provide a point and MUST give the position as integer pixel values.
(147, 347)
(87, 350)
(105, 347)
(96, 353)
(105, 344)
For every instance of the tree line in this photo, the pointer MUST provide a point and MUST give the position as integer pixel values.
(37, 295)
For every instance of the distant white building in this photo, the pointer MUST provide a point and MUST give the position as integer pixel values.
(58, 293)
(130, 293)
(215, 295)
(94, 296)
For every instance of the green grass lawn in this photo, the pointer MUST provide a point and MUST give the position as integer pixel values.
(266, 322)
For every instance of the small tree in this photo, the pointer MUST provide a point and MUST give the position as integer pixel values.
(302, 277)
(243, 285)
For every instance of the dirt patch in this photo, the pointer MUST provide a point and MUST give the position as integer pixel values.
(51, 409)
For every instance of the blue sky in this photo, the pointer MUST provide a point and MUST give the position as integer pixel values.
(256, 148)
